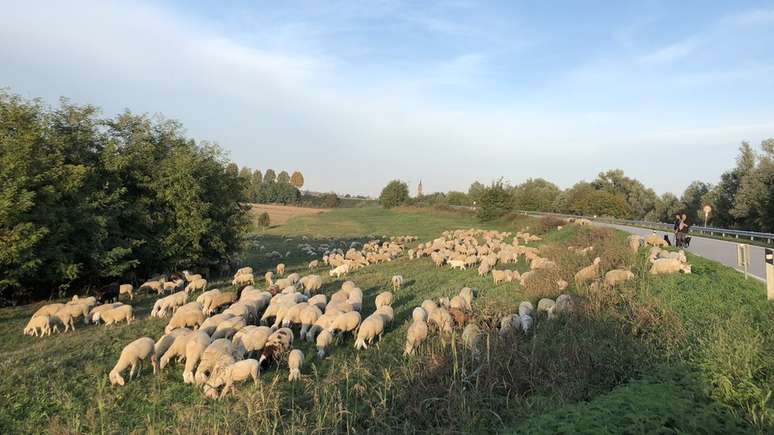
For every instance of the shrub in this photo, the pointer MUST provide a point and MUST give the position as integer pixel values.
(495, 202)
(330, 200)
(394, 194)
(263, 220)
(550, 222)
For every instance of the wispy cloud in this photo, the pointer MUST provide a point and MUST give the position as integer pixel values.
(753, 17)
(671, 53)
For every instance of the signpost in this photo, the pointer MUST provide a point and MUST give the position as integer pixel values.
(769, 261)
(743, 257)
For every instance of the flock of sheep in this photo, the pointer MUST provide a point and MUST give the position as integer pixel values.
(227, 337)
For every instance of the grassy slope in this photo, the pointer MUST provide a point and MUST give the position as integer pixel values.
(59, 383)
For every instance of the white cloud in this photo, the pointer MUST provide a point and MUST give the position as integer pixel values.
(754, 17)
(671, 53)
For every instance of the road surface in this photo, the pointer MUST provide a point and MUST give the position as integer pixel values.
(719, 250)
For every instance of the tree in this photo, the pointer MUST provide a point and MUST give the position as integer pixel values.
(665, 209)
(330, 200)
(283, 178)
(639, 199)
(567, 201)
(394, 194)
(495, 202)
(458, 198)
(255, 185)
(475, 191)
(754, 201)
(722, 198)
(297, 179)
(694, 199)
(269, 176)
(601, 203)
(535, 195)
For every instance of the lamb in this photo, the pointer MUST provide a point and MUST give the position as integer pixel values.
(669, 265)
(126, 289)
(95, 312)
(345, 323)
(124, 312)
(467, 294)
(132, 355)
(419, 314)
(563, 305)
(197, 343)
(383, 298)
(471, 339)
(416, 334)
(295, 361)
(324, 339)
(276, 345)
(588, 273)
(617, 276)
(269, 277)
(397, 282)
(340, 270)
(157, 286)
(281, 269)
(228, 375)
(244, 271)
(458, 264)
(370, 328)
(525, 308)
(38, 326)
(199, 284)
(185, 318)
(508, 324)
(314, 264)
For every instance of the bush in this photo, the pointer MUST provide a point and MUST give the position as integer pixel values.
(495, 202)
(263, 220)
(549, 222)
(330, 200)
(394, 194)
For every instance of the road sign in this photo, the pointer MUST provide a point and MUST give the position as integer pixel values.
(743, 257)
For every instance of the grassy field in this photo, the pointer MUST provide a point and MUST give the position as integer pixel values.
(682, 353)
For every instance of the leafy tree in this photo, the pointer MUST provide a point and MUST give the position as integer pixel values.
(475, 191)
(283, 178)
(667, 205)
(246, 179)
(535, 195)
(458, 198)
(601, 203)
(567, 201)
(255, 184)
(330, 200)
(754, 201)
(297, 179)
(495, 202)
(694, 199)
(722, 197)
(639, 199)
(269, 176)
(394, 194)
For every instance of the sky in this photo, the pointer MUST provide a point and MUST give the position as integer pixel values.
(354, 94)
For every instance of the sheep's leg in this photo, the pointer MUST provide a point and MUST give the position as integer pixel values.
(131, 371)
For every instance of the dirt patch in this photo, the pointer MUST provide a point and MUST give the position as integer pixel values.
(280, 214)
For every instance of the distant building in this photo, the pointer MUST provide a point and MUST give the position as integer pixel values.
(419, 189)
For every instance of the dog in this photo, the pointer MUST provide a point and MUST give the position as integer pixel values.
(687, 241)
(666, 239)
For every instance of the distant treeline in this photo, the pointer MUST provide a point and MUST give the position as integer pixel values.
(743, 199)
(86, 200)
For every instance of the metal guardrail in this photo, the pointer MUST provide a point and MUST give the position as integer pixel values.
(722, 232)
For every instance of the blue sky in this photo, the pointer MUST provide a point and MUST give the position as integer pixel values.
(354, 94)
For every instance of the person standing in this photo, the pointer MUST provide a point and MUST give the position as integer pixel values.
(683, 230)
(677, 229)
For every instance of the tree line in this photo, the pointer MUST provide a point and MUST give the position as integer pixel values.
(742, 199)
(271, 187)
(87, 200)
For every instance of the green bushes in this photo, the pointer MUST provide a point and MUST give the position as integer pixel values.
(84, 200)
(495, 202)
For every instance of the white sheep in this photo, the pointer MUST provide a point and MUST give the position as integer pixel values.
(172, 345)
(383, 298)
(229, 327)
(320, 301)
(211, 323)
(345, 323)
(369, 329)
(508, 324)
(340, 270)
(669, 265)
(38, 326)
(124, 312)
(312, 284)
(419, 314)
(324, 339)
(211, 358)
(525, 308)
(237, 372)
(252, 338)
(185, 318)
(199, 284)
(397, 282)
(194, 349)
(322, 324)
(416, 334)
(617, 276)
(126, 289)
(295, 362)
(526, 322)
(442, 320)
(387, 313)
(48, 310)
(471, 338)
(429, 306)
(308, 316)
(132, 355)
(95, 312)
(281, 269)
(563, 305)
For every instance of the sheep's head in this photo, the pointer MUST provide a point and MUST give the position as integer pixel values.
(686, 268)
(116, 379)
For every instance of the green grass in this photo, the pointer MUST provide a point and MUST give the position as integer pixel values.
(682, 353)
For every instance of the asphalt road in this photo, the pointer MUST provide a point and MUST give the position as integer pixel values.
(713, 249)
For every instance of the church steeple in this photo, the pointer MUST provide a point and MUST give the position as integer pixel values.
(419, 189)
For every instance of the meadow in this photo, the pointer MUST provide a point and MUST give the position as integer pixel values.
(659, 354)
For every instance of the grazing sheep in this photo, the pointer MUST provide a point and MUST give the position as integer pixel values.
(38, 326)
(429, 306)
(387, 313)
(383, 298)
(415, 335)
(229, 327)
(397, 282)
(634, 242)
(126, 289)
(546, 305)
(184, 319)
(308, 316)
(172, 345)
(526, 322)
(115, 315)
(269, 277)
(525, 308)
(324, 339)
(508, 324)
(295, 361)
(340, 270)
(419, 314)
(346, 322)
(588, 273)
(199, 284)
(131, 356)
(276, 345)
(72, 312)
(617, 276)
(679, 255)
(230, 374)
(252, 338)
(211, 358)
(211, 323)
(194, 349)
(563, 305)
(242, 280)
(48, 310)
(458, 264)
(157, 286)
(281, 269)
(669, 265)
(370, 328)
(95, 312)
(459, 303)
(653, 239)
(442, 320)
(313, 264)
(320, 301)
(312, 284)
(471, 338)
(467, 294)
(220, 299)
(189, 277)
